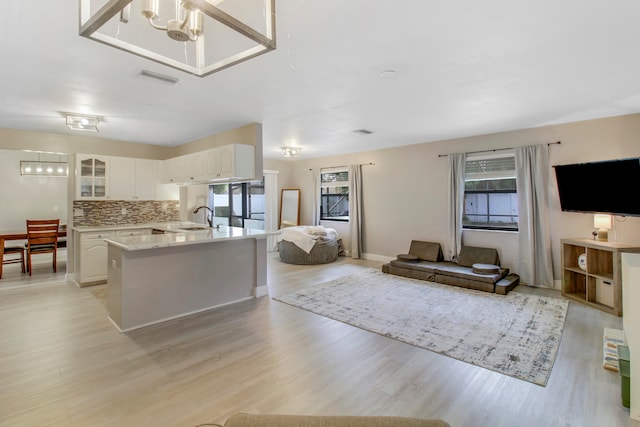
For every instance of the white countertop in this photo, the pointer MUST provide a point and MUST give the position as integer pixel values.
(177, 233)
(165, 226)
(210, 235)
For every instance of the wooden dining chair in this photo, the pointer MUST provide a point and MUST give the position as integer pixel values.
(8, 256)
(42, 238)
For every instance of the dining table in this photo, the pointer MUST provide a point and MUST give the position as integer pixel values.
(22, 235)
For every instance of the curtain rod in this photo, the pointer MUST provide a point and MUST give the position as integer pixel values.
(342, 166)
(494, 150)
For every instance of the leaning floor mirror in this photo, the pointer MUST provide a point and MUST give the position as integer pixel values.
(290, 207)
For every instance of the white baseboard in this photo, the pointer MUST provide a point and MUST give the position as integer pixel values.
(261, 291)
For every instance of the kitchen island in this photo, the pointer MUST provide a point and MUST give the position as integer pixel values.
(154, 278)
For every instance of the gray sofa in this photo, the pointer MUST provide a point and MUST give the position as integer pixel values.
(251, 420)
(477, 268)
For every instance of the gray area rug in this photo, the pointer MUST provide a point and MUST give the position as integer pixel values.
(516, 334)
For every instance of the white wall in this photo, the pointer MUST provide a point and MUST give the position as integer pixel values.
(27, 196)
(405, 192)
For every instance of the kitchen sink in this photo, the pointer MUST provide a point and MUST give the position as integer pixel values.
(194, 228)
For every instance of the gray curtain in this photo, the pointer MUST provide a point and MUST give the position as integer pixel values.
(532, 173)
(355, 209)
(456, 202)
(316, 197)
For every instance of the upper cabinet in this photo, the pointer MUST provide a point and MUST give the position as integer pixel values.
(235, 162)
(232, 162)
(92, 179)
(176, 170)
(120, 178)
(133, 179)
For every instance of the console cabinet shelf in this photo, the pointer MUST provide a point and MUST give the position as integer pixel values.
(600, 283)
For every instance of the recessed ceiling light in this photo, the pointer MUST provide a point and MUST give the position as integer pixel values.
(387, 73)
(363, 131)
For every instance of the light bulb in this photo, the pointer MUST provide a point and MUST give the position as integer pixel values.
(39, 169)
(49, 169)
(27, 169)
(60, 170)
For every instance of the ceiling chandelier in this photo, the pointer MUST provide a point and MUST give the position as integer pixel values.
(206, 35)
(44, 168)
(82, 122)
(290, 151)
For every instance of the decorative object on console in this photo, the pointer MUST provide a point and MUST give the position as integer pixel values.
(603, 224)
(224, 26)
(582, 262)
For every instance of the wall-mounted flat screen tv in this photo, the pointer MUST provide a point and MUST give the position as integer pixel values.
(610, 187)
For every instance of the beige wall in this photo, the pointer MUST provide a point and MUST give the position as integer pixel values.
(405, 192)
(13, 139)
(250, 134)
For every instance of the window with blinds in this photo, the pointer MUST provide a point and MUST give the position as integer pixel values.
(490, 196)
(334, 195)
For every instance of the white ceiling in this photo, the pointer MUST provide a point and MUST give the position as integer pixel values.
(462, 68)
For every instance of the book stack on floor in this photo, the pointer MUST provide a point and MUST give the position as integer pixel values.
(611, 340)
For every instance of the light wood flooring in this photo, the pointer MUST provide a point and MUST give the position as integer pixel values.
(62, 363)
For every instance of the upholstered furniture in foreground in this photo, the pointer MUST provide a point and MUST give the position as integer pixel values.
(321, 253)
(307, 245)
(250, 420)
(476, 268)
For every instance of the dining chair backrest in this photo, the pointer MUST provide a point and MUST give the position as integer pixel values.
(11, 255)
(42, 232)
(42, 237)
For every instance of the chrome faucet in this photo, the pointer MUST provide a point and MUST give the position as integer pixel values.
(209, 218)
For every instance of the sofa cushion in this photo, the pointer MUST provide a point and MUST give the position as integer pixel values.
(428, 251)
(407, 258)
(485, 268)
(470, 255)
(428, 275)
(425, 266)
(468, 283)
(461, 272)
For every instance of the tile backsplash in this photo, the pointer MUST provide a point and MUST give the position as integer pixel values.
(119, 212)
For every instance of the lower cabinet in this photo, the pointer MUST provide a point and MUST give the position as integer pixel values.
(93, 257)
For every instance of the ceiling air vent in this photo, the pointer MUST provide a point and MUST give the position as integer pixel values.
(363, 132)
(162, 78)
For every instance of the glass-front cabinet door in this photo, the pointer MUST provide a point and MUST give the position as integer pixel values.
(92, 176)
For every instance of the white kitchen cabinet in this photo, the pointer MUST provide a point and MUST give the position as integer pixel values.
(92, 179)
(235, 161)
(93, 256)
(231, 162)
(177, 170)
(147, 179)
(122, 177)
(133, 179)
